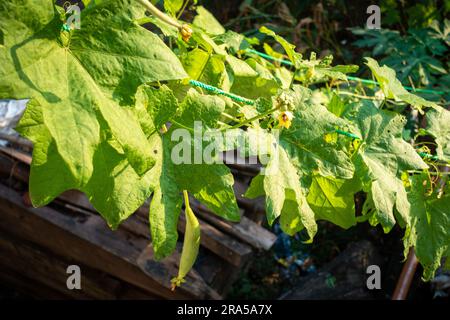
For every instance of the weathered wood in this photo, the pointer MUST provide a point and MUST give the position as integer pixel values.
(226, 242)
(18, 141)
(50, 270)
(343, 278)
(26, 286)
(148, 263)
(246, 230)
(10, 167)
(21, 156)
(221, 244)
(89, 241)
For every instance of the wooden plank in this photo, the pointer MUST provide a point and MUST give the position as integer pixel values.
(215, 240)
(18, 141)
(26, 286)
(49, 270)
(89, 241)
(21, 156)
(10, 167)
(223, 245)
(246, 230)
(148, 263)
(218, 242)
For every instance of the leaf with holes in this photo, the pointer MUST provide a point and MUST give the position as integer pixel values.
(381, 158)
(429, 230)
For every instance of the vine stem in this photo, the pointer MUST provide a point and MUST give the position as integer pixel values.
(182, 9)
(358, 95)
(186, 199)
(441, 173)
(156, 12)
(262, 115)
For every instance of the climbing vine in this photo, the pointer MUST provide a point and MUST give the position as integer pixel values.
(107, 98)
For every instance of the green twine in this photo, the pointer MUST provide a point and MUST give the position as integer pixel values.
(220, 91)
(251, 102)
(406, 87)
(366, 81)
(261, 54)
(65, 27)
(348, 134)
(431, 157)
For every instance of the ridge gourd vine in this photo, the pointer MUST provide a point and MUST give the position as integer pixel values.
(107, 100)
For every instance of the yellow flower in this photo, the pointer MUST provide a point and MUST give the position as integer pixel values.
(330, 137)
(285, 119)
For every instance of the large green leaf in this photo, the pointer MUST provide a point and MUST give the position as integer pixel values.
(429, 231)
(280, 182)
(211, 184)
(207, 67)
(382, 157)
(393, 88)
(439, 126)
(294, 156)
(78, 80)
(333, 200)
(251, 79)
(173, 6)
(207, 22)
(114, 189)
(305, 140)
(289, 48)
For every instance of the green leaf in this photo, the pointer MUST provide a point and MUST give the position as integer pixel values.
(381, 40)
(173, 6)
(381, 158)
(240, 68)
(335, 72)
(252, 80)
(336, 105)
(333, 200)
(284, 77)
(232, 41)
(211, 184)
(285, 198)
(207, 22)
(289, 48)
(207, 67)
(195, 61)
(167, 30)
(438, 125)
(392, 87)
(165, 205)
(429, 230)
(77, 81)
(256, 188)
(112, 174)
(293, 157)
(305, 141)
